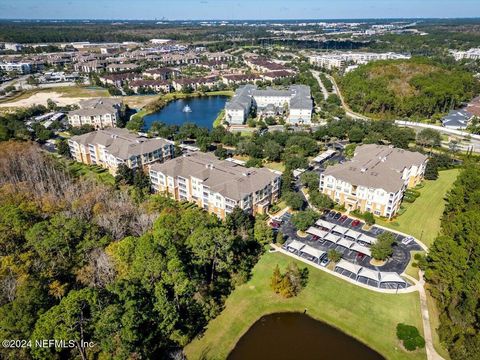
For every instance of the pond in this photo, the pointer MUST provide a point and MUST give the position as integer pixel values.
(298, 336)
(203, 111)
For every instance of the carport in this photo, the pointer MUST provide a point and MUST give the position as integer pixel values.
(353, 234)
(295, 246)
(312, 230)
(340, 230)
(369, 274)
(345, 243)
(367, 239)
(392, 278)
(325, 224)
(361, 249)
(315, 253)
(332, 238)
(345, 266)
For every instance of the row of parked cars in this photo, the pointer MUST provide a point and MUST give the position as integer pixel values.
(333, 215)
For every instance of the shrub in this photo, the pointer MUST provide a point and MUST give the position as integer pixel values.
(410, 336)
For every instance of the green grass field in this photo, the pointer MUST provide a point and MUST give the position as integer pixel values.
(90, 171)
(422, 218)
(368, 316)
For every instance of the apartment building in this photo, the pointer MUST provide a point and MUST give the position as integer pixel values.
(111, 147)
(217, 186)
(375, 179)
(101, 113)
(295, 103)
(339, 60)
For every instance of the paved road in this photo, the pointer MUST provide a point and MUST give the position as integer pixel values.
(345, 106)
(317, 77)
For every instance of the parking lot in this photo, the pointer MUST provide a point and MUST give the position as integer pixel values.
(396, 263)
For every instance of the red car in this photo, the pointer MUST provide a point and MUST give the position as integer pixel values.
(355, 223)
(343, 218)
(275, 224)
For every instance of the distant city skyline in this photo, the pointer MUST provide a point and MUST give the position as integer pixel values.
(236, 10)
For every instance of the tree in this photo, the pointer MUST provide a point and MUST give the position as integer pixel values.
(262, 232)
(304, 219)
(320, 200)
(429, 137)
(382, 248)
(334, 255)
(71, 320)
(310, 179)
(63, 148)
(276, 279)
(431, 170)
(369, 218)
(280, 238)
(294, 200)
(272, 150)
(220, 152)
(124, 175)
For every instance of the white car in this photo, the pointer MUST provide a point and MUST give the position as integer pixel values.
(407, 240)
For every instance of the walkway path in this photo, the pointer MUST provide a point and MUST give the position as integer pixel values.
(324, 89)
(427, 330)
(345, 106)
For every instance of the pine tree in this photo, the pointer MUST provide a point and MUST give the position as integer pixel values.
(287, 289)
(276, 280)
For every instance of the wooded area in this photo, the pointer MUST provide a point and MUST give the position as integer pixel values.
(453, 267)
(84, 261)
(416, 88)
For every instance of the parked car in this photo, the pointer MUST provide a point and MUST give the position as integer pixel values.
(355, 223)
(332, 213)
(275, 224)
(343, 218)
(337, 216)
(324, 262)
(407, 240)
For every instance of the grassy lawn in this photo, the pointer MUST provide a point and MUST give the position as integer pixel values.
(410, 270)
(100, 174)
(370, 317)
(422, 218)
(279, 166)
(219, 119)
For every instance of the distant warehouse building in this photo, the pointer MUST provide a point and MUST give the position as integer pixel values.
(109, 148)
(100, 113)
(217, 186)
(375, 179)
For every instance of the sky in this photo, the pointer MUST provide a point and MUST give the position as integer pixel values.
(236, 9)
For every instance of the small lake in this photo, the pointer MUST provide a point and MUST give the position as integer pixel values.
(204, 111)
(289, 336)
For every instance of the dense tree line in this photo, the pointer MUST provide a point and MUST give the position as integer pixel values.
(453, 267)
(83, 261)
(407, 88)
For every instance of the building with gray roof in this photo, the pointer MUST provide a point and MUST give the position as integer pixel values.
(111, 147)
(100, 113)
(375, 179)
(296, 101)
(216, 185)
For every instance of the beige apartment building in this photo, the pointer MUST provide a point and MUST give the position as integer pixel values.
(100, 113)
(375, 179)
(111, 147)
(215, 185)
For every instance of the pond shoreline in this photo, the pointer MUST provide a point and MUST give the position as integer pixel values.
(159, 103)
(268, 337)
